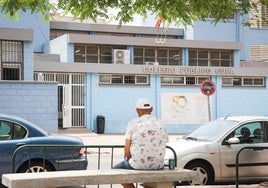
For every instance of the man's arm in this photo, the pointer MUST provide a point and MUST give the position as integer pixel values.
(127, 148)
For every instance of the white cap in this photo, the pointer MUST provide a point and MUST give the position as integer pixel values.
(143, 104)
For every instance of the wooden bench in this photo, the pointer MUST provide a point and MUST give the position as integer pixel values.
(155, 179)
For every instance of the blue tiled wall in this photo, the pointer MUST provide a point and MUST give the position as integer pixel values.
(36, 102)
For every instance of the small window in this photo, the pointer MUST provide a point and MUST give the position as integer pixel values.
(11, 131)
(178, 80)
(248, 81)
(183, 80)
(164, 56)
(11, 60)
(118, 79)
(106, 54)
(19, 132)
(198, 57)
(258, 82)
(243, 81)
(227, 81)
(252, 81)
(150, 52)
(129, 79)
(214, 58)
(203, 54)
(237, 81)
(79, 53)
(165, 80)
(142, 79)
(11, 51)
(190, 80)
(105, 79)
(11, 71)
(5, 130)
(200, 79)
(259, 53)
(94, 53)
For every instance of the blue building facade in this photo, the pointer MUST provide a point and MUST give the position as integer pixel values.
(101, 70)
(19, 94)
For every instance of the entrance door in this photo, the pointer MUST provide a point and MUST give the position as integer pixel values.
(77, 91)
(66, 106)
(71, 97)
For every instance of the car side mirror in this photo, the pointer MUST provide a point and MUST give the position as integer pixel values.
(233, 140)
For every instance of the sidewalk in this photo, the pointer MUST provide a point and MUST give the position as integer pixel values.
(91, 138)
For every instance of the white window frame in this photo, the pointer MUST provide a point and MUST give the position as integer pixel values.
(104, 54)
(143, 57)
(110, 78)
(229, 82)
(11, 59)
(259, 53)
(199, 60)
(197, 80)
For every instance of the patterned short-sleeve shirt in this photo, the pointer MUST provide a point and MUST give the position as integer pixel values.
(148, 142)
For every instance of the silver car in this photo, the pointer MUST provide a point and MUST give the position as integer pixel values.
(212, 148)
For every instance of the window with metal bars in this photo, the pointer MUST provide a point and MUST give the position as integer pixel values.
(214, 58)
(243, 81)
(123, 79)
(259, 53)
(169, 80)
(11, 60)
(164, 56)
(94, 53)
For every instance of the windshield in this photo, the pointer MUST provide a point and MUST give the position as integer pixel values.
(210, 131)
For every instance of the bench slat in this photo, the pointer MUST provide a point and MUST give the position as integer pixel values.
(94, 177)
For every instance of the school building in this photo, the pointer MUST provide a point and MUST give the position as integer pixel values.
(63, 73)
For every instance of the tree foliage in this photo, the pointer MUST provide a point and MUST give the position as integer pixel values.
(176, 11)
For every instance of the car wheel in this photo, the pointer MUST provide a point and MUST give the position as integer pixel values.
(204, 171)
(35, 166)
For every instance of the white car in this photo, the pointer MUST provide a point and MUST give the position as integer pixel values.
(212, 149)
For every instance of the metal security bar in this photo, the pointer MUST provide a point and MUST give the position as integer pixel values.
(97, 156)
(237, 161)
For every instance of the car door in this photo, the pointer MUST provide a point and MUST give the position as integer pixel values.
(11, 137)
(6, 147)
(252, 163)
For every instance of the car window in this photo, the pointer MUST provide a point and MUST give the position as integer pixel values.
(11, 131)
(5, 130)
(250, 133)
(19, 132)
(211, 130)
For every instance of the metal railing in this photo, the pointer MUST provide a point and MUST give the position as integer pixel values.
(94, 154)
(237, 161)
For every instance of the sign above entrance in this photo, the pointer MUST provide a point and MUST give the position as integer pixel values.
(208, 87)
